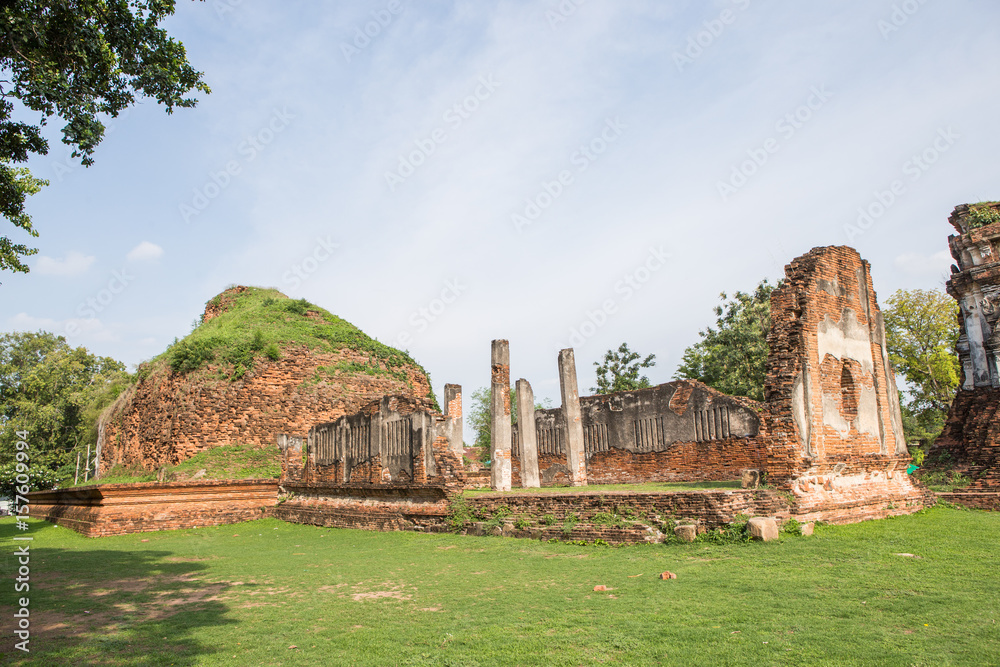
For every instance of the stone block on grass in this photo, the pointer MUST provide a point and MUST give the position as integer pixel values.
(763, 528)
(686, 532)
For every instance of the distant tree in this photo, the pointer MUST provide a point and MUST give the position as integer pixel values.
(55, 393)
(619, 371)
(80, 61)
(479, 416)
(732, 357)
(921, 331)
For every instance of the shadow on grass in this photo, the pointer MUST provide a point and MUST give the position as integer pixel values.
(103, 606)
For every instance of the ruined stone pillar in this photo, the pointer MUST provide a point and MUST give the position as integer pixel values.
(526, 429)
(453, 421)
(500, 435)
(576, 460)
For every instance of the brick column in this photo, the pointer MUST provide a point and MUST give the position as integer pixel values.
(576, 460)
(500, 435)
(453, 421)
(526, 429)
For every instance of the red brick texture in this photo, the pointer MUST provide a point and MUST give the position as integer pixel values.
(970, 441)
(717, 460)
(978, 500)
(376, 502)
(832, 430)
(119, 509)
(166, 418)
(693, 433)
(971, 437)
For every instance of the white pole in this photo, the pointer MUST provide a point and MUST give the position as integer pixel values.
(76, 477)
(86, 472)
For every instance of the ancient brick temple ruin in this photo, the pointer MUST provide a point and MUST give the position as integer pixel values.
(828, 436)
(826, 442)
(971, 436)
(829, 431)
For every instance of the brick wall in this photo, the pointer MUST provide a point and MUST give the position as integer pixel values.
(979, 500)
(118, 509)
(717, 460)
(832, 427)
(373, 499)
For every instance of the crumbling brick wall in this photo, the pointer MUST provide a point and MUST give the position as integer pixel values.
(678, 431)
(166, 418)
(373, 498)
(970, 441)
(833, 423)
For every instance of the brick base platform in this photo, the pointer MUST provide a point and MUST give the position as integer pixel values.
(858, 496)
(118, 509)
(978, 500)
(396, 507)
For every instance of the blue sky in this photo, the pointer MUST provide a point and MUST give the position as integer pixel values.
(555, 173)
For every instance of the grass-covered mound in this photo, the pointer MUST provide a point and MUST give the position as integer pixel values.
(257, 364)
(244, 325)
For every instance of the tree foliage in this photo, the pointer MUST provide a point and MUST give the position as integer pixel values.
(921, 331)
(82, 61)
(619, 371)
(54, 392)
(32, 478)
(732, 357)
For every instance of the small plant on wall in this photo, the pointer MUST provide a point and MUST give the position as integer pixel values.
(982, 214)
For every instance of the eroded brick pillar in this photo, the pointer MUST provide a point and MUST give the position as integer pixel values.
(500, 435)
(526, 430)
(453, 421)
(576, 460)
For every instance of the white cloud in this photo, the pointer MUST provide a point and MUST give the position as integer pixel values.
(77, 330)
(917, 264)
(145, 251)
(74, 264)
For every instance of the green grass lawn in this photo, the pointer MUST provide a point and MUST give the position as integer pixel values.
(647, 487)
(271, 593)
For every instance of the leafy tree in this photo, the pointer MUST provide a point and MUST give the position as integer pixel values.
(620, 371)
(921, 331)
(732, 357)
(81, 61)
(38, 478)
(54, 392)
